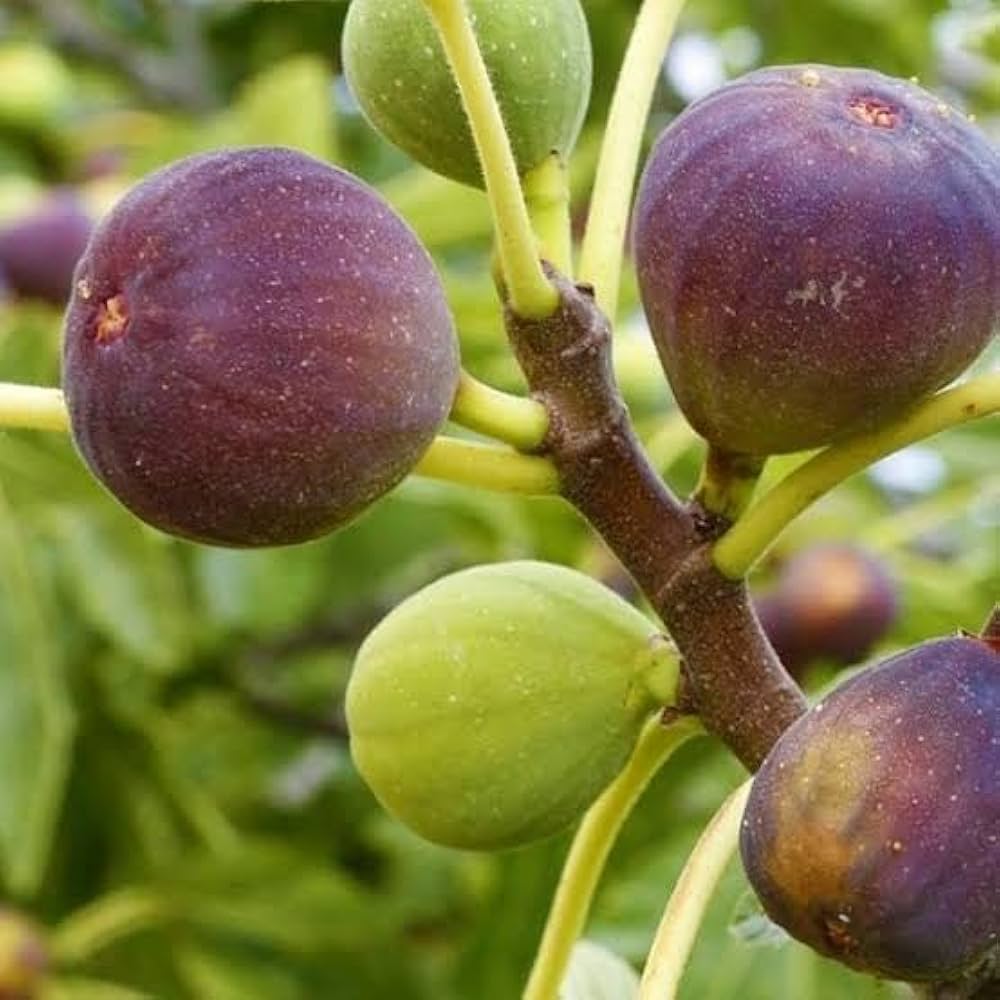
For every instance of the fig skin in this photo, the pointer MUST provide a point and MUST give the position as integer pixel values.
(39, 252)
(817, 250)
(257, 348)
(491, 709)
(538, 56)
(872, 832)
(831, 602)
(24, 958)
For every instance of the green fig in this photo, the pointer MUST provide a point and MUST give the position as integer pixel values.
(538, 56)
(490, 709)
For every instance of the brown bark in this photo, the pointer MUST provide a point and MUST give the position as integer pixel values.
(733, 679)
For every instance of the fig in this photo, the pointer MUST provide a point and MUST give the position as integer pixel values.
(256, 349)
(538, 56)
(872, 831)
(491, 708)
(39, 251)
(817, 250)
(831, 602)
(23, 956)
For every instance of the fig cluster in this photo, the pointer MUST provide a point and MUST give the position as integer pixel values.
(39, 251)
(872, 832)
(256, 349)
(490, 709)
(817, 249)
(538, 56)
(831, 602)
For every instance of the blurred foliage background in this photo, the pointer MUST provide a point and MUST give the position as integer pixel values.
(178, 811)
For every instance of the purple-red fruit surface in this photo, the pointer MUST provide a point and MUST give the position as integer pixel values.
(832, 602)
(872, 832)
(39, 251)
(257, 348)
(817, 250)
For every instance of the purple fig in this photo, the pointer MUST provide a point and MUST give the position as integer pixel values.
(257, 348)
(818, 249)
(872, 832)
(39, 251)
(831, 601)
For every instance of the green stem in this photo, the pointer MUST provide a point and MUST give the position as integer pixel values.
(679, 925)
(601, 258)
(591, 847)
(99, 924)
(546, 191)
(515, 420)
(488, 467)
(727, 482)
(32, 407)
(528, 290)
(737, 551)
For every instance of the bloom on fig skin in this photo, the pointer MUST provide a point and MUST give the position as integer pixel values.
(817, 249)
(537, 53)
(831, 601)
(490, 709)
(257, 348)
(872, 832)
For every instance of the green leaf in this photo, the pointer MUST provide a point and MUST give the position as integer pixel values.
(36, 714)
(290, 104)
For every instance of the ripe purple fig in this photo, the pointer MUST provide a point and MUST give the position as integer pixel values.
(817, 249)
(872, 832)
(832, 602)
(39, 251)
(257, 348)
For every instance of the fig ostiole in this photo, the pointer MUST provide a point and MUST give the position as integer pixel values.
(872, 832)
(490, 709)
(257, 348)
(817, 249)
(538, 56)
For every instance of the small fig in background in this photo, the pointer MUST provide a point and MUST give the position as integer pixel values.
(39, 251)
(23, 957)
(872, 832)
(538, 56)
(831, 602)
(257, 348)
(490, 709)
(817, 250)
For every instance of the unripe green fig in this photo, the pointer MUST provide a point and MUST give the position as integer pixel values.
(818, 249)
(490, 709)
(538, 56)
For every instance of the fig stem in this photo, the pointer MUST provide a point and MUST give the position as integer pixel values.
(607, 220)
(32, 407)
(591, 847)
(546, 192)
(737, 551)
(488, 466)
(991, 630)
(727, 482)
(692, 893)
(514, 420)
(528, 290)
(99, 924)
